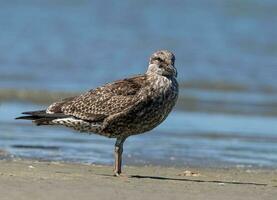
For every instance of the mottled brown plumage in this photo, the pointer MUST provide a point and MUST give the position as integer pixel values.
(119, 109)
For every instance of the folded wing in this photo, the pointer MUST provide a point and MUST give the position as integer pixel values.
(99, 103)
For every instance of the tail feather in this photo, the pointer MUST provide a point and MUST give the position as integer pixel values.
(42, 113)
(37, 112)
(28, 117)
(40, 117)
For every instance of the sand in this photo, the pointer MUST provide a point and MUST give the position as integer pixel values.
(28, 179)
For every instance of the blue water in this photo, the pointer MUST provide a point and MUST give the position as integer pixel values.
(184, 139)
(73, 45)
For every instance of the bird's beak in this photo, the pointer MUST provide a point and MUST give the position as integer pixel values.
(175, 71)
(170, 68)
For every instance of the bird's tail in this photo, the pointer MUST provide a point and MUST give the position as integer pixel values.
(40, 117)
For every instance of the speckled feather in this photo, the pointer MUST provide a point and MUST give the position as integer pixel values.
(107, 100)
(122, 108)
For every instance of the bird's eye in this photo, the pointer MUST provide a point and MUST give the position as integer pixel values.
(159, 59)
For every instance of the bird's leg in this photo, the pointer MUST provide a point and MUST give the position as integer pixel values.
(118, 150)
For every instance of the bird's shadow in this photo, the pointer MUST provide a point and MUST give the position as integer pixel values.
(197, 180)
(191, 180)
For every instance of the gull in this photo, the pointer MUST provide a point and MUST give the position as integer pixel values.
(121, 108)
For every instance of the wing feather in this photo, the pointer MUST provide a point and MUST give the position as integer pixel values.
(99, 103)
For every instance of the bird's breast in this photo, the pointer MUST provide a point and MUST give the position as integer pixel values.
(163, 94)
(156, 100)
(164, 88)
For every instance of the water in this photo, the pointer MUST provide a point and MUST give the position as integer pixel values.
(225, 55)
(185, 138)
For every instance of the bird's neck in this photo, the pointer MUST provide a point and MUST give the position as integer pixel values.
(158, 76)
(158, 81)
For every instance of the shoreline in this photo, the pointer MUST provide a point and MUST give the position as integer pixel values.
(186, 102)
(31, 179)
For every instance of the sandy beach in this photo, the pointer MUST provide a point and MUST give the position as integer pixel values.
(28, 179)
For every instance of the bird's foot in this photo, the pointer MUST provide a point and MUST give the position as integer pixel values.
(122, 175)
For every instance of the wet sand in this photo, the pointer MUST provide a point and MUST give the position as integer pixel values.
(27, 179)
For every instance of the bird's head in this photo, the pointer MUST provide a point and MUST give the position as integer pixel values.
(162, 63)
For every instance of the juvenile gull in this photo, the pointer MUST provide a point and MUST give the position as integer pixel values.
(119, 109)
